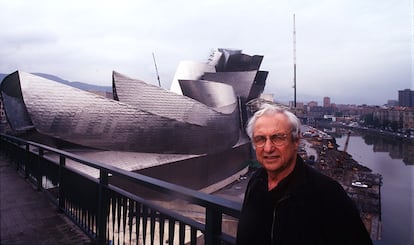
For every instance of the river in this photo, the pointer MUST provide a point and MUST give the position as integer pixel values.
(394, 160)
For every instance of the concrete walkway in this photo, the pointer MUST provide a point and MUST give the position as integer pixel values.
(28, 217)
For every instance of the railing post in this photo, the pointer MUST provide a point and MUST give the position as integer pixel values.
(102, 206)
(61, 195)
(213, 227)
(26, 167)
(39, 172)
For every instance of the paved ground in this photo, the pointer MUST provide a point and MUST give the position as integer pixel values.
(28, 217)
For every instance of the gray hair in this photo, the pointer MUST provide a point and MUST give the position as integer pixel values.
(268, 109)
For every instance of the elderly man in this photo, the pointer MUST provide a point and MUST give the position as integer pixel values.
(288, 202)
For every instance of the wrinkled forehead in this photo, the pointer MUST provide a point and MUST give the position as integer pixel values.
(272, 124)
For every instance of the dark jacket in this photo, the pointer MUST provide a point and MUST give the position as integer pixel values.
(306, 207)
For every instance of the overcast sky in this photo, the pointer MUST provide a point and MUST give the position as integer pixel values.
(354, 51)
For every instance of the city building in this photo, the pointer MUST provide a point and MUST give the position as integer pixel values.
(299, 105)
(326, 101)
(406, 98)
(392, 103)
(312, 104)
(395, 118)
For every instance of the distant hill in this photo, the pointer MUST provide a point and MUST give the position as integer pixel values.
(79, 85)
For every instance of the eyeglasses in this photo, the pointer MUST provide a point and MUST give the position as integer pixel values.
(275, 139)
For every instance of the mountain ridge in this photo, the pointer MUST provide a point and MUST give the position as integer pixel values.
(75, 84)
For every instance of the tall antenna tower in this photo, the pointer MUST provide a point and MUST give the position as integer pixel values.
(294, 62)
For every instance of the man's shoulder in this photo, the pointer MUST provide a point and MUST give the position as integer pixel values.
(257, 173)
(320, 181)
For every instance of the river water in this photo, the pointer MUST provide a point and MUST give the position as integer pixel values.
(394, 160)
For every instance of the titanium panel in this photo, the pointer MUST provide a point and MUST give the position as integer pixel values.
(91, 120)
(219, 96)
(244, 62)
(226, 53)
(216, 59)
(233, 64)
(189, 70)
(258, 85)
(14, 106)
(159, 101)
(241, 81)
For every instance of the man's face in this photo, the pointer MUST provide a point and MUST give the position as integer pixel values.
(280, 157)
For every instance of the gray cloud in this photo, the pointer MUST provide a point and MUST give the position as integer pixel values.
(344, 48)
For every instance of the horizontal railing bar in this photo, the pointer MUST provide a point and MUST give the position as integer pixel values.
(225, 206)
(213, 204)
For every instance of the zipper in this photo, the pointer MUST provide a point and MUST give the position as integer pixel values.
(272, 233)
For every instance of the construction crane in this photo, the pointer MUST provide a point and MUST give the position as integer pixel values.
(347, 141)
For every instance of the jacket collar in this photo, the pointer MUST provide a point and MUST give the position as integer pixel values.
(294, 182)
(297, 179)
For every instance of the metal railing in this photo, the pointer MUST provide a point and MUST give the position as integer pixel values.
(110, 208)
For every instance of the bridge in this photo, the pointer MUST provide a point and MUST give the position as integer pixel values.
(109, 212)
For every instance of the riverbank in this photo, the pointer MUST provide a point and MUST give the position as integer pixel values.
(361, 184)
(380, 132)
(392, 158)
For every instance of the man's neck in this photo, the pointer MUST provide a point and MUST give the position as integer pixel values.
(274, 178)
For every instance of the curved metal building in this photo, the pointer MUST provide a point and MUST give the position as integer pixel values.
(160, 121)
(203, 119)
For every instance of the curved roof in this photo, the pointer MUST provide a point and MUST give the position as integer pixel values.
(91, 120)
(203, 119)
